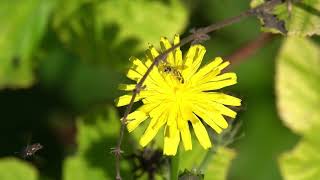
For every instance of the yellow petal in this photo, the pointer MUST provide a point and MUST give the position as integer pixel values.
(153, 128)
(212, 113)
(138, 65)
(125, 100)
(219, 120)
(159, 110)
(171, 140)
(134, 119)
(224, 76)
(224, 99)
(207, 69)
(165, 44)
(206, 118)
(201, 133)
(173, 116)
(223, 109)
(186, 137)
(193, 60)
(177, 52)
(134, 75)
(148, 135)
(126, 87)
(152, 53)
(214, 85)
(176, 39)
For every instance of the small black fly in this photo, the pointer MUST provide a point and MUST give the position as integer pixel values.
(30, 150)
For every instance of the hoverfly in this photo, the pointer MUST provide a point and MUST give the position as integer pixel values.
(167, 68)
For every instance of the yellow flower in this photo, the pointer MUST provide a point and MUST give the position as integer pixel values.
(176, 93)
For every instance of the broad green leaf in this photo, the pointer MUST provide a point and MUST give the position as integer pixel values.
(109, 32)
(195, 156)
(23, 23)
(297, 83)
(144, 20)
(219, 164)
(65, 10)
(15, 169)
(213, 164)
(301, 17)
(97, 133)
(303, 162)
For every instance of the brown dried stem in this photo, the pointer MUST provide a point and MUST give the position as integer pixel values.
(197, 35)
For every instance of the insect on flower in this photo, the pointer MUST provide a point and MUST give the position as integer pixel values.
(179, 92)
(175, 71)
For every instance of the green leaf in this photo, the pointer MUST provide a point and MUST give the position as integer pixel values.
(301, 17)
(143, 19)
(219, 164)
(194, 156)
(213, 164)
(15, 169)
(109, 32)
(297, 84)
(97, 133)
(303, 162)
(23, 23)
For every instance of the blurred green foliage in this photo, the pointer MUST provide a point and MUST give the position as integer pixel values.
(297, 84)
(61, 63)
(93, 159)
(11, 168)
(298, 105)
(23, 24)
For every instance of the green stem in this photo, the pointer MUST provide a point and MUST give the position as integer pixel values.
(204, 163)
(174, 168)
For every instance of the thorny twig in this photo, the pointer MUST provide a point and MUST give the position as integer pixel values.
(198, 35)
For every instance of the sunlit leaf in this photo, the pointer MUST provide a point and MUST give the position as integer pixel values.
(23, 23)
(213, 164)
(219, 164)
(109, 32)
(143, 19)
(303, 162)
(297, 84)
(195, 156)
(97, 133)
(15, 169)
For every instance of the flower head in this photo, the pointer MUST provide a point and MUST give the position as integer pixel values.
(177, 92)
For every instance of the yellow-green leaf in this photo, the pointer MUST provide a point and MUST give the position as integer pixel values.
(213, 164)
(217, 168)
(144, 20)
(303, 162)
(15, 169)
(23, 23)
(297, 84)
